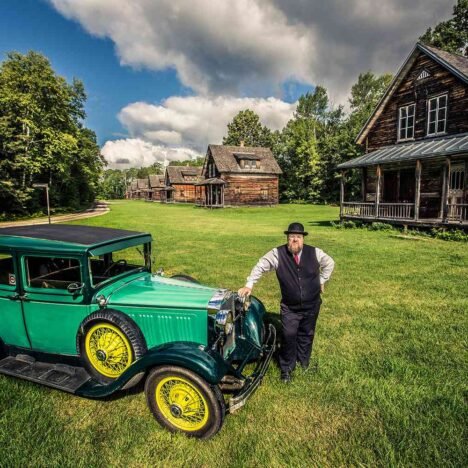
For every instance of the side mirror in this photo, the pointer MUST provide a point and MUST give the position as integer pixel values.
(75, 288)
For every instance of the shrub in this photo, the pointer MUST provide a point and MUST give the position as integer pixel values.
(380, 227)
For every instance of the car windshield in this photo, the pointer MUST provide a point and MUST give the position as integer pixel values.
(109, 265)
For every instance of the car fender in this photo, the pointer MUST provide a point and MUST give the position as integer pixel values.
(198, 358)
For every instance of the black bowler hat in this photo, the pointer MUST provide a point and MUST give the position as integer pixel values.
(296, 228)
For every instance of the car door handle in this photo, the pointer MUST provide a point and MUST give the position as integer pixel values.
(19, 297)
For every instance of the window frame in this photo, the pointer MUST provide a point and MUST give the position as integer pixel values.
(8, 286)
(436, 122)
(55, 291)
(407, 106)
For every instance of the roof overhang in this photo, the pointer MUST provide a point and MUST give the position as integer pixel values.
(421, 149)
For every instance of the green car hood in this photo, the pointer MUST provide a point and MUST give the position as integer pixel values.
(158, 291)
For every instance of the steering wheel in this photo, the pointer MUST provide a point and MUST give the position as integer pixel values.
(119, 263)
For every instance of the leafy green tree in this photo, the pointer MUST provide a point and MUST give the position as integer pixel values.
(42, 138)
(365, 94)
(246, 127)
(189, 162)
(451, 35)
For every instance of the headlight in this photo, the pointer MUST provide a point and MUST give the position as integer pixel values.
(225, 321)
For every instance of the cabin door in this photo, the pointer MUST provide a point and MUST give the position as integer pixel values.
(456, 190)
(390, 189)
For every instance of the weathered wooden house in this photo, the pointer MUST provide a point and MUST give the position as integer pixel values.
(415, 167)
(238, 175)
(157, 188)
(132, 189)
(180, 182)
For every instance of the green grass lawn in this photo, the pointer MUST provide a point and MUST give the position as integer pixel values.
(391, 346)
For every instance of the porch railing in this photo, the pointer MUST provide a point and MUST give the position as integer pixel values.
(385, 210)
(396, 210)
(457, 212)
(359, 210)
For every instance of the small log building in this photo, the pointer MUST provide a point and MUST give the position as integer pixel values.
(157, 190)
(180, 182)
(415, 168)
(238, 175)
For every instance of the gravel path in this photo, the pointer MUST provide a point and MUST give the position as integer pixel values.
(99, 209)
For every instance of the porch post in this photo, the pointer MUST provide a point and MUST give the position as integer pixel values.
(363, 183)
(342, 182)
(445, 186)
(377, 190)
(417, 192)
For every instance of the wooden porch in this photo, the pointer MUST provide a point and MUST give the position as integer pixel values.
(429, 194)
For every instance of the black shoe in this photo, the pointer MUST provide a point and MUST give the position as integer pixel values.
(285, 377)
(304, 366)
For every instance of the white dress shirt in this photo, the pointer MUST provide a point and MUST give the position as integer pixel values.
(269, 262)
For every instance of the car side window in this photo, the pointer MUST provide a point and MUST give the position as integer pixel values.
(52, 272)
(7, 270)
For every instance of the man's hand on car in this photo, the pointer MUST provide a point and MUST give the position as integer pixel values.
(244, 292)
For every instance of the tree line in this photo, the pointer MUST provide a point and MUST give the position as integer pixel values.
(43, 139)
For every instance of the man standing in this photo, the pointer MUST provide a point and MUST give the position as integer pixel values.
(302, 271)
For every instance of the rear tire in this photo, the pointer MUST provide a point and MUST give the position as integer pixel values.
(182, 401)
(109, 342)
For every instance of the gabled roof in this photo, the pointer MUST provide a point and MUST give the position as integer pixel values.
(422, 149)
(156, 181)
(176, 174)
(456, 64)
(142, 183)
(227, 159)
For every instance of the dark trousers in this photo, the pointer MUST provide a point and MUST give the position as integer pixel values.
(298, 336)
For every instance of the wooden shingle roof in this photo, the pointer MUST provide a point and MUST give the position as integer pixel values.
(178, 174)
(156, 181)
(142, 183)
(227, 159)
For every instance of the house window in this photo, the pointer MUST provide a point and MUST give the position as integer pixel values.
(249, 164)
(457, 178)
(437, 115)
(406, 122)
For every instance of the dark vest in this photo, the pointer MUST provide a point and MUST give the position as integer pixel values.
(300, 284)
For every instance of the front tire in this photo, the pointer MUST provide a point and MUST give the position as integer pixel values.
(182, 401)
(109, 344)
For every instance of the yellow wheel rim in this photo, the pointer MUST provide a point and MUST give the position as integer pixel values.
(108, 349)
(182, 404)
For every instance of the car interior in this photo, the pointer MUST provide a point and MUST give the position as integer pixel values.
(6, 268)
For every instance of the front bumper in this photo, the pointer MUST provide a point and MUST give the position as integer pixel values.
(255, 379)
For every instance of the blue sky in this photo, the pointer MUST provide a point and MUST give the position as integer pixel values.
(35, 25)
(164, 77)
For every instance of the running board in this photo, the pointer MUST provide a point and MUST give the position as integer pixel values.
(60, 376)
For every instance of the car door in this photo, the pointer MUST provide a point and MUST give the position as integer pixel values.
(54, 304)
(12, 329)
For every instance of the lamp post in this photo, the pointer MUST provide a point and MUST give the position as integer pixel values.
(46, 186)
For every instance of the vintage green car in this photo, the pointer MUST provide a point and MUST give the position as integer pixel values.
(81, 311)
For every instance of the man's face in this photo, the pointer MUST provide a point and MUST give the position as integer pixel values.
(295, 243)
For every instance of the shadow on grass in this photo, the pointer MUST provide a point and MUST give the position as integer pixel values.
(322, 223)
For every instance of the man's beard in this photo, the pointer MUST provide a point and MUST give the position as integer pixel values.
(294, 249)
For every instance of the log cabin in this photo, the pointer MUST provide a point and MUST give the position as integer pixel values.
(157, 188)
(180, 183)
(415, 167)
(238, 175)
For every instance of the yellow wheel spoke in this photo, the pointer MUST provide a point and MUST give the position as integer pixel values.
(108, 349)
(182, 404)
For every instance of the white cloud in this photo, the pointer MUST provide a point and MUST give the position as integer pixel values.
(196, 121)
(134, 152)
(251, 47)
